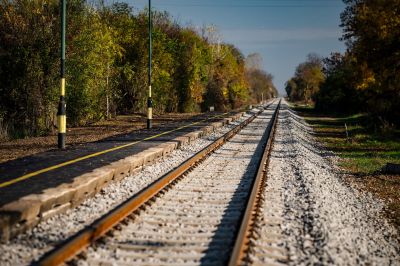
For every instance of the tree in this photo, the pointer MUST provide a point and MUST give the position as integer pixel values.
(307, 79)
(338, 92)
(106, 66)
(194, 58)
(28, 66)
(254, 61)
(91, 58)
(261, 85)
(260, 82)
(292, 91)
(371, 31)
(227, 87)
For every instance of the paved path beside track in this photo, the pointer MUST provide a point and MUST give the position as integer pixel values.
(37, 187)
(24, 176)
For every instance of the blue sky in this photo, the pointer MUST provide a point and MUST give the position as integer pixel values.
(283, 32)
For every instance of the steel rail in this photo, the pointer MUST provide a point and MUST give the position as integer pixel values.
(250, 215)
(72, 246)
(88, 156)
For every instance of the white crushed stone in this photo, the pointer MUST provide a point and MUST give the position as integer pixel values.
(183, 225)
(321, 219)
(29, 246)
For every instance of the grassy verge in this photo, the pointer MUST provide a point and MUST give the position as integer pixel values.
(363, 152)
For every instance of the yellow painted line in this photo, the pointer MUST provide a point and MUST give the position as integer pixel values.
(44, 170)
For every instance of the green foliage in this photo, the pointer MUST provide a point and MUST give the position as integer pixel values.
(228, 86)
(365, 150)
(338, 93)
(260, 82)
(194, 60)
(307, 80)
(261, 85)
(90, 68)
(28, 66)
(367, 77)
(372, 30)
(107, 65)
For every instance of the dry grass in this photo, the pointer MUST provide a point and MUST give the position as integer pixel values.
(385, 187)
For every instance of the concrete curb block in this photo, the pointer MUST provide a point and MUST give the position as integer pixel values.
(28, 211)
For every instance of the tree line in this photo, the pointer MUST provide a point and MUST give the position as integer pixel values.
(366, 78)
(106, 66)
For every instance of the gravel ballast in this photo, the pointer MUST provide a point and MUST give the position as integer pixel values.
(310, 215)
(30, 245)
(194, 221)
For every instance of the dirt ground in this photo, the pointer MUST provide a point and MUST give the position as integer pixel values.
(386, 188)
(13, 149)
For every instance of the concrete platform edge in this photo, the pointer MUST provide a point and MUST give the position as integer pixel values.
(26, 212)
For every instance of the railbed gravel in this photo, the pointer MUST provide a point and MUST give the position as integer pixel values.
(29, 246)
(310, 215)
(194, 221)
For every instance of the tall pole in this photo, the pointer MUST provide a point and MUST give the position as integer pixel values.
(149, 100)
(61, 114)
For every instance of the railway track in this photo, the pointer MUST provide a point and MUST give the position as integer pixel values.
(200, 213)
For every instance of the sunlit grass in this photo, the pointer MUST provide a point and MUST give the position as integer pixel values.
(363, 149)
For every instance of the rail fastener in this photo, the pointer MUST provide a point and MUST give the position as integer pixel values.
(90, 234)
(243, 237)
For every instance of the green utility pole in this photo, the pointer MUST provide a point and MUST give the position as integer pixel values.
(61, 114)
(149, 100)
